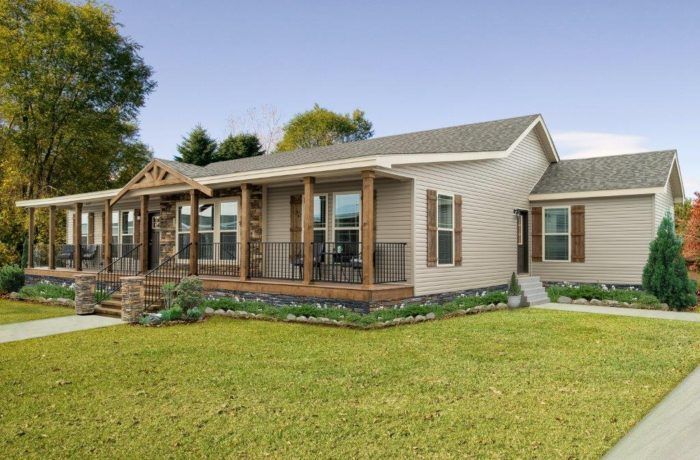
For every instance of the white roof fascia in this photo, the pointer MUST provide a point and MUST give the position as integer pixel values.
(595, 194)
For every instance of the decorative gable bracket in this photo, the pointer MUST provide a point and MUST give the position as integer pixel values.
(158, 174)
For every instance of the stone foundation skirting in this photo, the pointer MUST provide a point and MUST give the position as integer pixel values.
(282, 300)
(35, 279)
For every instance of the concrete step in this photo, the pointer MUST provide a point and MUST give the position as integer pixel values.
(525, 279)
(108, 311)
(531, 292)
(529, 283)
(539, 300)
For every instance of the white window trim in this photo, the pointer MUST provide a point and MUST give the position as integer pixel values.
(303, 211)
(544, 233)
(333, 227)
(217, 222)
(437, 226)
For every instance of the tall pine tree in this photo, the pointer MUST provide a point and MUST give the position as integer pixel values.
(197, 148)
(665, 274)
(239, 146)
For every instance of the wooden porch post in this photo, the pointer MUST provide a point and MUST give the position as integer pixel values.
(107, 253)
(91, 228)
(194, 231)
(245, 231)
(143, 250)
(368, 228)
(77, 236)
(308, 229)
(52, 237)
(30, 240)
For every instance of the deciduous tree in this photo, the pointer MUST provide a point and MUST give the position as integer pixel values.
(319, 127)
(691, 237)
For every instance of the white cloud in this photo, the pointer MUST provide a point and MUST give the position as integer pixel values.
(582, 144)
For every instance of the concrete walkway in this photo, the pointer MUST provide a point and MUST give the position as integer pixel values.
(675, 315)
(52, 326)
(670, 430)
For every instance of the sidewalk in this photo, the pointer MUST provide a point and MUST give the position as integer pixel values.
(674, 315)
(670, 430)
(52, 326)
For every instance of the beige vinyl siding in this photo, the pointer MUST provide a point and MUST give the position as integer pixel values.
(618, 233)
(393, 211)
(663, 203)
(69, 227)
(491, 190)
(98, 225)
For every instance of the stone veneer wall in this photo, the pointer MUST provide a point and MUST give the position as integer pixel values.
(168, 216)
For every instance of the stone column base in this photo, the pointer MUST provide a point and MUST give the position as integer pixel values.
(133, 298)
(85, 294)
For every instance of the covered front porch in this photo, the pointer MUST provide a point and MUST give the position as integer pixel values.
(235, 241)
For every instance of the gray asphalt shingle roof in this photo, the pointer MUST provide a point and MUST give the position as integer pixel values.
(619, 172)
(488, 136)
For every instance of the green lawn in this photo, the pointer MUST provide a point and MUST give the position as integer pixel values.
(16, 312)
(523, 383)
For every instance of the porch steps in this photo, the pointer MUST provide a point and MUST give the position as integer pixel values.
(106, 310)
(533, 290)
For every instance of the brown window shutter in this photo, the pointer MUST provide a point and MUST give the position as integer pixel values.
(295, 218)
(578, 233)
(537, 234)
(458, 230)
(432, 228)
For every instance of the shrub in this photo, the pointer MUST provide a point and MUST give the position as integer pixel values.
(11, 278)
(47, 291)
(593, 291)
(171, 314)
(169, 291)
(513, 287)
(190, 293)
(665, 274)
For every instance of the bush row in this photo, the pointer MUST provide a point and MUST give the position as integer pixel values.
(602, 292)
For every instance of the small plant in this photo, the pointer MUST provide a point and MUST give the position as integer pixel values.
(169, 290)
(11, 279)
(190, 293)
(47, 291)
(194, 314)
(171, 314)
(514, 287)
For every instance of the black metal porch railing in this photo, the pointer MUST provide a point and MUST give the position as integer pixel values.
(41, 255)
(91, 255)
(109, 279)
(389, 263)
(64, 256)
(337, 262)
(219, 259)
(281, 261)
(170, 270)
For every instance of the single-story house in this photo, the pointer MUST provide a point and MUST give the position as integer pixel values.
(427, 214)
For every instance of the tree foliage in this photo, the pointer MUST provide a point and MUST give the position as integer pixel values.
(319, 127)
(681, 213)
(239, 146)
(665, 274)
(691, 237)
(197, 148)
(70, 90)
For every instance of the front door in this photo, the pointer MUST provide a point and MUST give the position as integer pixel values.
(522, 241)
(153, 239)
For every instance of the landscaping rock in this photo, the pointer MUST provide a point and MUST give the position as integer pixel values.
(208, 311)
(302, 319)
(461, 312)
(313, 319)
(397, 320)
(420, 318)
(625, 304)
(291, 317)
(663, 306)
(220, 312)
(430, 315)
(242, 314)
(609, 302)
(596, 302)
(502, 305)
(580, 302)
(230, 313)
(14, 295)
(564, 299)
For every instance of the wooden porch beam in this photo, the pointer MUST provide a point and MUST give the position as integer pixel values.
(194, 231)
(77, 236)
(245, 231)
(107, 253)
(143, 250)
(30, 239)
(52, 237)
(368, 228)
(308, 229)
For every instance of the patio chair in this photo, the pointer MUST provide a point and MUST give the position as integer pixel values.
(89, 253)
(66, 255)
(319, 250)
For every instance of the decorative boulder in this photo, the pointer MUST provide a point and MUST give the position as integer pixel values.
(220, 312)
(14, 295)
(564, 299)
(230, 313)
(501, 305)
(581, 302)
(208, 311)
(596, 302)
(291, 317)
(430, 315)
(420, 318)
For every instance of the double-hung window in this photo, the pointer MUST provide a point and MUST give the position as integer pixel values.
(206, 231)
(556, 234)
(228, 230)
(445, 229)
(320, 218)
(84, 229)
(347, 221)
(115, 228)
(127, 225)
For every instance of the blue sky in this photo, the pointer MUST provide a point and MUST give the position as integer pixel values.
(609, 77)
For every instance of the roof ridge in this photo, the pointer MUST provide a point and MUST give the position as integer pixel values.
(674, 151)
